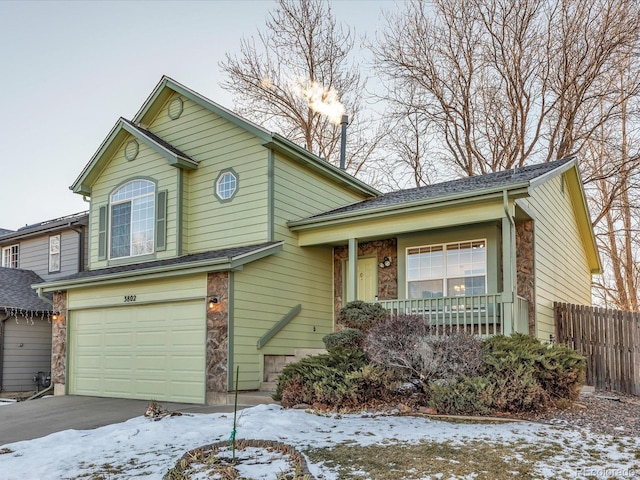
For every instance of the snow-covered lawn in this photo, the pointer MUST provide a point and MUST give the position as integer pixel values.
(143, 448)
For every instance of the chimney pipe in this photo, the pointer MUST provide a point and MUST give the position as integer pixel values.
(343, 141)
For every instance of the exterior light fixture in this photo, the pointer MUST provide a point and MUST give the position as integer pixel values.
(386, 262)
(213, 302)
(55, 316)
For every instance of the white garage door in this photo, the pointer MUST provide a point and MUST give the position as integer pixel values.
(149, 352)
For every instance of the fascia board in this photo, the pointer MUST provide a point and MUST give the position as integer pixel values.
(515, 191)
(209, 265)
(294, 151)
(42, 230)
(167, 82)
(80, 185)
(553, 173)
(172, 158)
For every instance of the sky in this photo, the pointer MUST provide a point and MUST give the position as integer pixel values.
(69, 70)
(143, 448)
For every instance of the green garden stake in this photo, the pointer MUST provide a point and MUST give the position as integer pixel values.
(232, 437)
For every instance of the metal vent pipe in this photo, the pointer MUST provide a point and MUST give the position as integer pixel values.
(343, 141)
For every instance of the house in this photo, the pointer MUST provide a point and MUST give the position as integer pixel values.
(215, 244)
(43, 251)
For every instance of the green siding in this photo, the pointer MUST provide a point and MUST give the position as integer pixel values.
(149, 165)
(561, 268)
(217, 145)
(265, 291)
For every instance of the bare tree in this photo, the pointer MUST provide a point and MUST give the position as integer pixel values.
(505, 82)
(297, 79)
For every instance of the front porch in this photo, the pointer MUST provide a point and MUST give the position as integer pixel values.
(483, 315)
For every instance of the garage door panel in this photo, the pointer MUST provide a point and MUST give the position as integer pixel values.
(147, 352)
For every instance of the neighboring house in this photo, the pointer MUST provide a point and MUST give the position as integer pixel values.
(34, 253)
(215, 244)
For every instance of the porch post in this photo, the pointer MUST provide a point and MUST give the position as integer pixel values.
(508, 270)
(352, 270)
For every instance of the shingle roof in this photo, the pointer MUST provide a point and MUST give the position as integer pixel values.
(160, 141)
(81, 218)
(16, 292)
(227, 253)
(466, 185)
(4, 231)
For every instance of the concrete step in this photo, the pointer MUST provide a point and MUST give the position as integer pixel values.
(307, 352)
(252, 397)
(268, 387)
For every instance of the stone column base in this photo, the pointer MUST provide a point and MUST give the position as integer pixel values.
(216, 398)
(59, 389)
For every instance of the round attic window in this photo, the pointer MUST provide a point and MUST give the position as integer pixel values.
(175, 108)
(131, 149)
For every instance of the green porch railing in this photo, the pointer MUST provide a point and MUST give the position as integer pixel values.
(477, 314)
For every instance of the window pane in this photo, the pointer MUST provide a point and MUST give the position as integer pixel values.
(227, 185)
(426, 289)
(142, 225)
(458, 287)
(120, 230)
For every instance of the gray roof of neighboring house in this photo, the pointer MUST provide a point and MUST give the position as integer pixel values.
(81, 218)
(227, 253)
(461, 186)
(4, 231)
(16, 292)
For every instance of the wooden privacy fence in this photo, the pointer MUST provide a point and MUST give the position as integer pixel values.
(610, 339)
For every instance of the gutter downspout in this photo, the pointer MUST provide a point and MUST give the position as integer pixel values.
(42, 297)
(2, 327)
(508, 252)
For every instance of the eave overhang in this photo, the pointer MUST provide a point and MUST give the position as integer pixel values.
(227, 263)
(167, 86)
(118, 134)
(515, 191)
(581, 208)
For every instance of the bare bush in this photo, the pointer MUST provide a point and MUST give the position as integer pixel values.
(404, 344)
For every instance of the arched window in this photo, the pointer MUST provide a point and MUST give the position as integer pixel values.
(133, 207)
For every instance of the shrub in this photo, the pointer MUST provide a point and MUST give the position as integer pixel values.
(345, 338)
(361, 315)
(322, 378)
(529, 375)
(404, 344)
(463, 396)
(373, 384)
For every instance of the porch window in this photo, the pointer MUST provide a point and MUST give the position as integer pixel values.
(448, 270)
(10, 256)
(132, 219)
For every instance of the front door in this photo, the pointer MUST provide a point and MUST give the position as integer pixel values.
(367, 285)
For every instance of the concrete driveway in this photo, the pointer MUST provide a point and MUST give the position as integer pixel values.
(37, 418)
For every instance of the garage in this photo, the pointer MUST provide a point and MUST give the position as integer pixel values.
(25, 350)
(149, 352)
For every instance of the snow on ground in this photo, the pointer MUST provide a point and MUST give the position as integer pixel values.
(143, 448)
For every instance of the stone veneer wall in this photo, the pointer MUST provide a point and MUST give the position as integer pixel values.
(59, 344)
(217, 338)
(387, 277)
(525, 267)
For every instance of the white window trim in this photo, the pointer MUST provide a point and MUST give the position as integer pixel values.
(10, 259)
(52, 253)
(445, 277)
(130, 200)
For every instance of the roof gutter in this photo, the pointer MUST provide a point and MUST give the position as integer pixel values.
(516, 191)
(208, 265)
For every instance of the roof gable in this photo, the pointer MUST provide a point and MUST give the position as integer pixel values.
(120, 131)
(455, 189)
